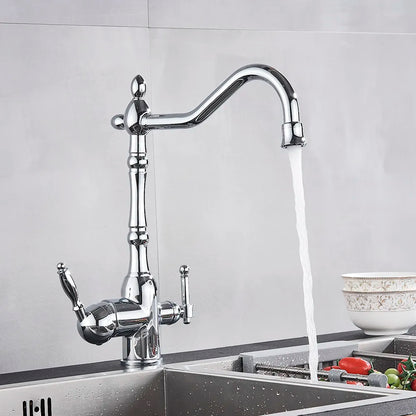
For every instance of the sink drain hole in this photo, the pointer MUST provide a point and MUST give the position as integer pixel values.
(44, 409)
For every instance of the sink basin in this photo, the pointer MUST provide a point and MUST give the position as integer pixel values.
(178, 390)
(199, 394)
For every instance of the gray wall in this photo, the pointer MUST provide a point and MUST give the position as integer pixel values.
(220, 196)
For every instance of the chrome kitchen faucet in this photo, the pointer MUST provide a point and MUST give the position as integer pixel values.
(137, 314)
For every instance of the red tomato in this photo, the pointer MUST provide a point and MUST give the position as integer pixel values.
(401, 367)
(337, 367)
(357, 383)
(355, 365)
(327, 368)
(413, 385)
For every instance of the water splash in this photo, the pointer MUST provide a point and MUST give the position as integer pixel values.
(295, 158)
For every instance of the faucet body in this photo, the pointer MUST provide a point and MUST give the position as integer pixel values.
(137, 314)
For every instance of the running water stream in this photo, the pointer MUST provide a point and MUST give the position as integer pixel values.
(295, 158)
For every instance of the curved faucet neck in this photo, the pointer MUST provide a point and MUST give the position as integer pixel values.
(292, 128)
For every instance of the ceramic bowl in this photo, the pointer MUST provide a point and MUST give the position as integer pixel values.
(379, 281)
(382, 313)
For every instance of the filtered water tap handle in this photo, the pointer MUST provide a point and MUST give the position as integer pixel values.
(70, 288)
(186, 305)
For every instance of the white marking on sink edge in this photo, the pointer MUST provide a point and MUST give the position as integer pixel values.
(295, 158)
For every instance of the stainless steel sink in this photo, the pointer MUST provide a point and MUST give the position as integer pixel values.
(221, 394)
(178, 390)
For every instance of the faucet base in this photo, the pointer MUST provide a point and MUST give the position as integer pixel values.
(142, 348)
(142, 364)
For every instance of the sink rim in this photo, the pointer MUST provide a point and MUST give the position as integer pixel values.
(191, 368)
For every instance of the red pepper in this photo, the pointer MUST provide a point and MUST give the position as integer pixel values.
(355, 365)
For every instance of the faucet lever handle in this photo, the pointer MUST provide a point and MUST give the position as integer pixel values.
(186, 305)
(70, 288)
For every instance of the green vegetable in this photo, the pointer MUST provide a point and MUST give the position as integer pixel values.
(392, 371)
(393, 380)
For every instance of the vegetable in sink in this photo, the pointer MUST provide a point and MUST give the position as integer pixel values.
(403, 377)
(355, 365)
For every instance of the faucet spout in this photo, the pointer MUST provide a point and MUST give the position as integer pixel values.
(292, 129)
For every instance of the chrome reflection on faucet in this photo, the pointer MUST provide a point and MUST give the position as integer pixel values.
(137, 314)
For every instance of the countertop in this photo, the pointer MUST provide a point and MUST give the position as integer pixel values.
(114, 365)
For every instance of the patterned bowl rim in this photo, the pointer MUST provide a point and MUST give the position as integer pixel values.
(380, 275)
(379, 292)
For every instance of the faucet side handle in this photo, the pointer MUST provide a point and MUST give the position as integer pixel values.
(187, 307)
(70, 288)
(170, 312)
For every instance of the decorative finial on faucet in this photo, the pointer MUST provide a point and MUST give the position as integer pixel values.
(184, 269)
(137, 107)
(61, 266)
